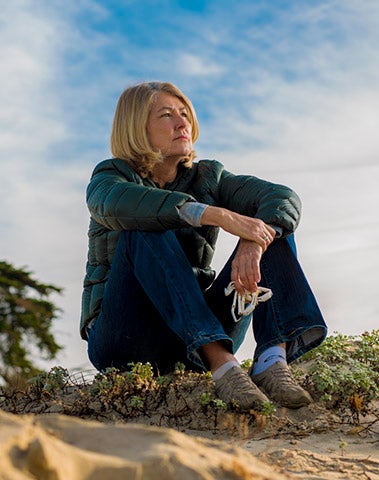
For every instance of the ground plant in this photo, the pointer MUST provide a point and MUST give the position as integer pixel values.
(342, 375)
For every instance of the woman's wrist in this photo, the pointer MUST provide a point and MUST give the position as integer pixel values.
(213, 216)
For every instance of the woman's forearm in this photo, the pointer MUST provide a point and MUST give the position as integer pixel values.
(248, 228)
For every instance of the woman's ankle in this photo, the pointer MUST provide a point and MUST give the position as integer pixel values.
(216, 354)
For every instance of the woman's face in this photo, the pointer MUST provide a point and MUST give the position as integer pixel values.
(168, 127)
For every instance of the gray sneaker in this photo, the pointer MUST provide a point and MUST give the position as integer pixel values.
(279, 385)
(236, 386)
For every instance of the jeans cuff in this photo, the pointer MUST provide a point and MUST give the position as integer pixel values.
(298, 342)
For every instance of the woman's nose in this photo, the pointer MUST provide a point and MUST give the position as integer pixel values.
(182, 122)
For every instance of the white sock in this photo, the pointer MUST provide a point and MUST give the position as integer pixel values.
(225, 367)
(268, 358)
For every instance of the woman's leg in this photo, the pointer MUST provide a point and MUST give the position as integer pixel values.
(153, 309)
(292, 315)
(285, 327)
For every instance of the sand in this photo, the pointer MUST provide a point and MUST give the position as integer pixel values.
(307, 443)
(60, 447)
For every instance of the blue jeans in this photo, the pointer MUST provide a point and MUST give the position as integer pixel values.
(154, 310)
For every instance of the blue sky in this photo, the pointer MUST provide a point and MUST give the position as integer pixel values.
(284, 90)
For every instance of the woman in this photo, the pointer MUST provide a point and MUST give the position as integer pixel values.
(150, 294)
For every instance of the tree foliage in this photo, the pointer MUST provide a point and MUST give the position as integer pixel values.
(26, 317)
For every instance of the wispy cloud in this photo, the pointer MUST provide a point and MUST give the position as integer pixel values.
(195, 65)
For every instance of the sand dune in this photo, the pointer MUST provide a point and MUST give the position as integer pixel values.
(58, 447)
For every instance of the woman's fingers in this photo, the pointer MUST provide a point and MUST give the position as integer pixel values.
(245, 267)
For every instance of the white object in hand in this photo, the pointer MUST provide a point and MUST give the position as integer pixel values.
(246, 303)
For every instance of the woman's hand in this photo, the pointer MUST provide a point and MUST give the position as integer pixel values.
(255, 237)
(246, 272)
(252, 229)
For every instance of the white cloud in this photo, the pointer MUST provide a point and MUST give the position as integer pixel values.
(196, 65)
(28, 118)
(42, 211)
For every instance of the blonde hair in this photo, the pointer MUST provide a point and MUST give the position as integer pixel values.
(129, 140)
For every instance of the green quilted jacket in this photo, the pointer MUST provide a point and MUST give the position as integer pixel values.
(119, 199)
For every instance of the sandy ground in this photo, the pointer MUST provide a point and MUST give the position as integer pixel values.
(59, 447)
(310, 443)
(142, 430)
(319, 456)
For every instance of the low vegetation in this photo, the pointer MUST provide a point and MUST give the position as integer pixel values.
(342, 375)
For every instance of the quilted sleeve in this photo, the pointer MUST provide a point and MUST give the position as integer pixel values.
(119, 203)
(273, 203)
